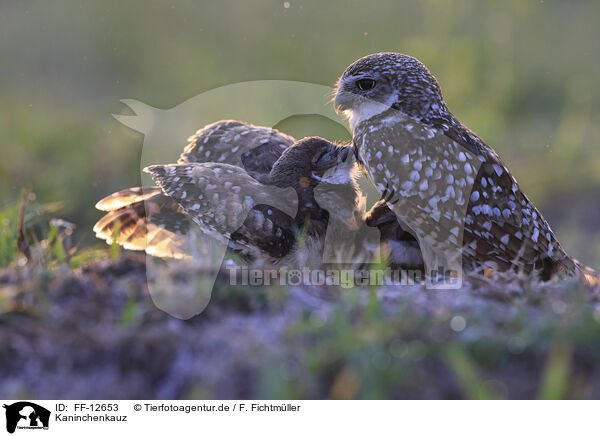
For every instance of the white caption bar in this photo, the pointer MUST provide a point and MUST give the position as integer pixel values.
(298, 417)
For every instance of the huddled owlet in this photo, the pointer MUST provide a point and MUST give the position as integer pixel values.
(230, 182)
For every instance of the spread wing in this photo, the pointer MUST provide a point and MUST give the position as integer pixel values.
(145, 219)
(219, 197)
(148, 219)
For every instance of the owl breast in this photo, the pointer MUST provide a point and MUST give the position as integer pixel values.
(430, 175)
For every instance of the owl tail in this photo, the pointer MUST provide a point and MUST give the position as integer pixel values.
(592, 277)
(589, 275)
(144, 219)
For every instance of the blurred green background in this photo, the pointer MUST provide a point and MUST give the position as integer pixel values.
(522, 74)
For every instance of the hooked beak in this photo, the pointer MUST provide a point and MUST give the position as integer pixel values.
(342, 101)
(336, 156)
(335, 168)
(346, 153)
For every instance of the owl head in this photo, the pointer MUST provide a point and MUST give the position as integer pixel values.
(378, 82)
(311, 161)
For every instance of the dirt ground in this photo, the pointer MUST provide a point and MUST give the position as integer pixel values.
(94, 333)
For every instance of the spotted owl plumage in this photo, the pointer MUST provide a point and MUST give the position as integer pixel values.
(145, 218)
(250, 204)
(452, 189)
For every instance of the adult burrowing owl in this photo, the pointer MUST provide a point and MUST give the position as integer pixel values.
(451, 188)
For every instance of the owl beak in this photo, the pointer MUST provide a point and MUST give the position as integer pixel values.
(346, 152)
(335, 156)
(342, 101)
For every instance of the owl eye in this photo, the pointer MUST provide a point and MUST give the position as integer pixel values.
(365, 84)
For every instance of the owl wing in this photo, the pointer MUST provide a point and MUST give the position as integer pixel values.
(125, 197)
(228, 204)
(266, 230)
(502, 224)
(237, 143)
(449, 188)
(145, 219)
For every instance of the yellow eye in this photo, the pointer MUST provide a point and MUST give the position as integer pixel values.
(365, 84)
